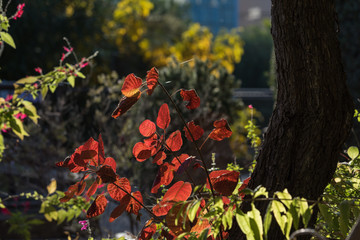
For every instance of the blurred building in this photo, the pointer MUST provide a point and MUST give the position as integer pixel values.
(218, 14)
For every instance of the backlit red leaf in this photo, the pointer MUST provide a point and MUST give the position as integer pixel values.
(110, 162)
(163, 119)
(115, 192)
(120, 208)
(177, 220)
(101, 152)
(162, 208)
(185, 165)
(106, 174)
(147, 128)
(177, 161)
(134, 206)
(174, 141)
(180, 191)
(92, 189)
(221, 131)
(200, 226)
(97, 207)
(159, 157)
(152, 80)
(224, 181)
(164, 177)
(148, 231)
(125, 104)
(141, 151)
(192, 97)
(131, 85)
(243, 186)
(82, 155)
(195, 130)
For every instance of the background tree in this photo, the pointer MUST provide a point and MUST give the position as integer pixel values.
(313, 114)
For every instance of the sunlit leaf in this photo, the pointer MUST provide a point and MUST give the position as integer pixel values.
(192, 97)
(51, 188)
(131, 86)
(120, 208)
(221, 131)
(141, 151)
(353, 152)
(164, 177)
(159, 157)
(196, 131)
(174, 141)
(147, 128)
(134, 206)
(152, 80)
(115, 192)
(97, 207)
(125, 104)
(224, 181)
(107, 174)
(180, 191)
(6, 37)
(148, 230)
(163, 119)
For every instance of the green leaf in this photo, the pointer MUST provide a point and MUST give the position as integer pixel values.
(6, 37)
(288, 224)
(2, 146)
(324, 210)
(44, 91)
(306, 217)
(35, 222)
(278, 208)
(261, 192)
(229, 216)
(353, 152)
(344, 220)
(61, 216)
(257, 225)
(193, 208)
(71, 80)
(18, 128)
(295, 212)
(284, 197)
(243, 221)
(52, 87)
(80, 75)
(30, 111)
(1, 204)
(267, 220)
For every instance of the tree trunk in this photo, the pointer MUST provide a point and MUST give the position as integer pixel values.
(314, 110)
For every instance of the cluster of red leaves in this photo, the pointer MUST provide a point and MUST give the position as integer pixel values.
(90, 158)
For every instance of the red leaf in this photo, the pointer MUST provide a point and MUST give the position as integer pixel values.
(148, 231)
(64, 163)
(224, 181)
(97, 207)
(92, 189)
(107, 174)
(152, 80)
(221, 131)
(135, 206)
(179, 160)
(192, 97)
(195, 130)
(243, 186)
(201, 225)
(131, 85)
(162, 208)
(147, 128)
(185, 165)
(180, 191)
(115, 192)
(174, 141)
(163, 119)
(125, 104)
(82, 155)
(164, 177)
(101, 152)
(110, 162)
(141, 152)
(75, 189)
(159, 157)
(120, 208)
(154, 143)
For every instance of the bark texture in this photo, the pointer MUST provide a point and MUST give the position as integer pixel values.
(314, 110)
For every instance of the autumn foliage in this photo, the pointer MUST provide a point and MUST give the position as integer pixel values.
(180, 201)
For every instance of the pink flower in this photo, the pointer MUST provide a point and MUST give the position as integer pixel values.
(63, 56)
(9, 98)
(20, 116)
(84, 224)
(20, 11)
(83, 63)
(251, 106)
(38, 70)
(68, 50)
(4, 128)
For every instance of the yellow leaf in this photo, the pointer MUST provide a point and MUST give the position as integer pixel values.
(51, 188)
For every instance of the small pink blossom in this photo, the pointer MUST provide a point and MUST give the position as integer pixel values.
(36, 85)
(63, 56)
(9, 98)
(68, 50)
(82, 65)
(20, 116)
(20, 11)
(5, 211)
(4, 128)
(251, 106)
(84, 224)
(38, 70)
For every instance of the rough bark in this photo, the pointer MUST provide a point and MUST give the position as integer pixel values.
(314, 110)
